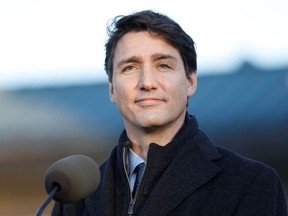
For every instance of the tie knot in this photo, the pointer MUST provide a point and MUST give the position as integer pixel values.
(139, 170)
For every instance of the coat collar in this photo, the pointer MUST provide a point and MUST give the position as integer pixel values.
(178, 169)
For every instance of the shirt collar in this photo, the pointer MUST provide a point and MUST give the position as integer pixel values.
(134, 160)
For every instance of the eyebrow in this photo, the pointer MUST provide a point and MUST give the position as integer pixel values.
(129, 60)
(160, 56)
(155, 57)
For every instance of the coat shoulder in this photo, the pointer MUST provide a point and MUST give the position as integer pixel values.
(242, 164)
(244, 170)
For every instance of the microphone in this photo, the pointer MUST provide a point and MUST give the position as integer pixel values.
(71, 179)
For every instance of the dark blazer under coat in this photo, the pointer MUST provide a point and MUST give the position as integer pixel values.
(188, 176)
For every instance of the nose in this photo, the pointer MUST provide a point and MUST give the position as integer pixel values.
(147, 79)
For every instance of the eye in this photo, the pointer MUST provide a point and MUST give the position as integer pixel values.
(164, 66)
(128, 68)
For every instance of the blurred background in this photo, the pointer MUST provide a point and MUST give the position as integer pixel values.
(54, 98)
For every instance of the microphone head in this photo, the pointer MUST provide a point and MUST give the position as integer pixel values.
(77, 175)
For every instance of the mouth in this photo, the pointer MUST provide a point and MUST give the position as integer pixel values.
(149, 101)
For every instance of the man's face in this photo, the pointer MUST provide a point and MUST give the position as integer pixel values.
(149, 85)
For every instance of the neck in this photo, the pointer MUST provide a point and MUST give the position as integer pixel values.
(141, 138)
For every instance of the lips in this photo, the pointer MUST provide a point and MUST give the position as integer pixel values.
(149, 101)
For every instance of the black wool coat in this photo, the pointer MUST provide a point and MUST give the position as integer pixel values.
(188, 176)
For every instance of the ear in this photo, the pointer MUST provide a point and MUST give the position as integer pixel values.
(111, 92)
(191, 83)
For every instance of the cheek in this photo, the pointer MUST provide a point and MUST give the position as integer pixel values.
(178, 87)
(120, 95)
(180, 93)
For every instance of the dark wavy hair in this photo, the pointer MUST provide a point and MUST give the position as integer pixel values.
(157, 24)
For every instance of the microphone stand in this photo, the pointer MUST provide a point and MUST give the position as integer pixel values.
(48, 199)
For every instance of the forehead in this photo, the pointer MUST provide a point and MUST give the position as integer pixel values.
(142, 45)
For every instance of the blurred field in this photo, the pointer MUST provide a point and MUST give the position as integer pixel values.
(21, 187)
(22, 177)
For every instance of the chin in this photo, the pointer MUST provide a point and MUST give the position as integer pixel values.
(153, 123)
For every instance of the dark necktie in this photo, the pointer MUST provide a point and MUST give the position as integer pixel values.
(138, 171)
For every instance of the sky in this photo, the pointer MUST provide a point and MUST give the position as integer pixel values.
(55, 42)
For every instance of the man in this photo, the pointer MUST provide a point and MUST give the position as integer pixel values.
(151, 65)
